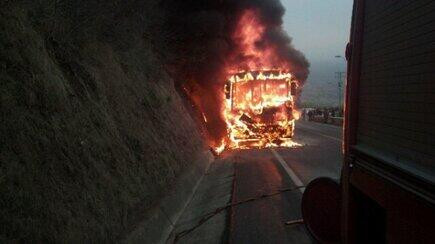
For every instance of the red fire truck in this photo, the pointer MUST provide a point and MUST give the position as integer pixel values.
(386, 193)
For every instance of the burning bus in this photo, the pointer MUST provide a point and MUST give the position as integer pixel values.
(263, 77)
(259, 108)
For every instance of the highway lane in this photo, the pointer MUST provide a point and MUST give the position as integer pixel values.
(320, 153)
(264, 171)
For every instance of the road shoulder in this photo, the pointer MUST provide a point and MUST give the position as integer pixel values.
(205, 218)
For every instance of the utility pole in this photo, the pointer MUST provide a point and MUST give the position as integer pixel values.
(339, 76)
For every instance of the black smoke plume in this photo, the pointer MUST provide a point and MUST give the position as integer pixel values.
(197, 45)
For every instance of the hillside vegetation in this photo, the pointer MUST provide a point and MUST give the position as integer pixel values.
(91, 125)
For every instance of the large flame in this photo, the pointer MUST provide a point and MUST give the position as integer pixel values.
(259, 101)
(259, 109)
(257, 54)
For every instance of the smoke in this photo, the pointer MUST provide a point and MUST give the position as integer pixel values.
(199, 45)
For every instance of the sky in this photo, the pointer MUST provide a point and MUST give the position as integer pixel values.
(320, 29)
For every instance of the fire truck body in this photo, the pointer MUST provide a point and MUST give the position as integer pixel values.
(386, 193)
(389, 168)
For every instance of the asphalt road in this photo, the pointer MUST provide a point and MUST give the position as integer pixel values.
(263, 172)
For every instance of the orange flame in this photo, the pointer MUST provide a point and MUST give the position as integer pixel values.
(249, 33)
(220, 148)
(259, 109)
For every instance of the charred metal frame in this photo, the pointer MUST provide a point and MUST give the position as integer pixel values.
(263, 89)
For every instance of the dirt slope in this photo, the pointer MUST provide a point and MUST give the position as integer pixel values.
(91, 125)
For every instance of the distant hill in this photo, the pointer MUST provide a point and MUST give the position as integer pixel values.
(321, 87)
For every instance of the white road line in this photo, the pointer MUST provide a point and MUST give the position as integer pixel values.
(289, 171)
(330, 137)
(320, 134)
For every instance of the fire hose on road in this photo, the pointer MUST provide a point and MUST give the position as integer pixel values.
(210, 215)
